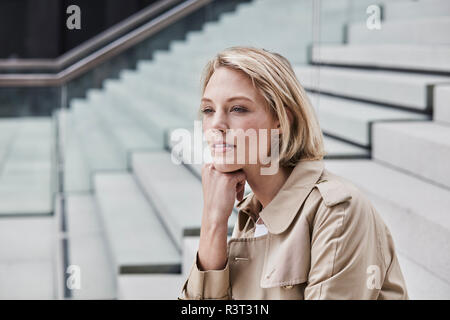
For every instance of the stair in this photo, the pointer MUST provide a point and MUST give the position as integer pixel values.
(88, 249)
(411, 10)
(389, 56)
(155, 117)
(26, 166)
(164, 181)
(352, 120)
(400, 89)
(421, 148)
(121, 127)
(100, 151)
(442, 104)
(138, 239)
(27, 258)
(425, 31)
(76, 170)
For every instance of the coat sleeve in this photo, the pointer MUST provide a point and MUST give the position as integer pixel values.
(347, 254)
(206, 285)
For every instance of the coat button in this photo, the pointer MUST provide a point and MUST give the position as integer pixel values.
(288, 287)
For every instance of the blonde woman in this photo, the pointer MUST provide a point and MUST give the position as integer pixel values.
(303, 232)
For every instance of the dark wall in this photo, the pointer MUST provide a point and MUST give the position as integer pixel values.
(37, 28)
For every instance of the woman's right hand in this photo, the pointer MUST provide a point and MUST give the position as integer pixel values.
(220, 190)
(219, 193)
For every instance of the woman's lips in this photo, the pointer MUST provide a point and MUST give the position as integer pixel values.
(222, 147)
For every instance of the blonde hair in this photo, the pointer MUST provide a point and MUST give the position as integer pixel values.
(273, 76)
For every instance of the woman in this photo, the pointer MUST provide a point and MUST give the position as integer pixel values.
(303, 232)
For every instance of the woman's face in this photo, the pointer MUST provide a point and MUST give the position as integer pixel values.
(230, 102)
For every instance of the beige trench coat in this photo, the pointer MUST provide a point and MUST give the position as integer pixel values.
(325, 240)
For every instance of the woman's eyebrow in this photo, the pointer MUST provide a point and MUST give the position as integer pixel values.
(205, 99)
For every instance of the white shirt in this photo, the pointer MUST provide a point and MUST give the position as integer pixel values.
(260, 228)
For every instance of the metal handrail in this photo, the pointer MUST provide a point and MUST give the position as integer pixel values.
(112, 49)
(88, 46)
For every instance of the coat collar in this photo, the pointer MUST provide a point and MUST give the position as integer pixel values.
(281, 211)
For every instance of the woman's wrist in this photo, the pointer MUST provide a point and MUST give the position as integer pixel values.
(212, 253)
(215, 219)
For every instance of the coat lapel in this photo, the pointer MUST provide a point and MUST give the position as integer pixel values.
(287, 254)
(281, 211)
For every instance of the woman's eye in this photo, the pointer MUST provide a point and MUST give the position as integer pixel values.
(207, 110)
(238, 109)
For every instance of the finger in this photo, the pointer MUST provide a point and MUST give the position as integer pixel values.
(239, 176)
(240, 194)
(240, 190)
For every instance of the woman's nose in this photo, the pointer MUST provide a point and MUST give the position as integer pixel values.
(215, 127)
(219, 122)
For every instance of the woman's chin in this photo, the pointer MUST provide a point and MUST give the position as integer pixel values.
(225, 167)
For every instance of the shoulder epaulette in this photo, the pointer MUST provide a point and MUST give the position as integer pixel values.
(333, 192)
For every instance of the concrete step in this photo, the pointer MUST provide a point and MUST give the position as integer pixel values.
(120, 126)
(248, 20)
(7, 131)
(442, 104)
(297, 13)
(420, 283)
(137, 239)
(415, 211)
(204, 48)
(426, 31)
(150, 286)
(99, 149)
(337, 149)
(166, 73)
(169, 286)
(352, 120)
(183, 105)
(88, 249)
(164, 181)
(76, 170)
(293, 49)
(246, 29)
(396, 56)
(190, 248)
(394, 88)
(146, 109)
(267, 4)
(27, 168)
(415, 9)
(28, 258)
(422, 148)
(244, 25)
